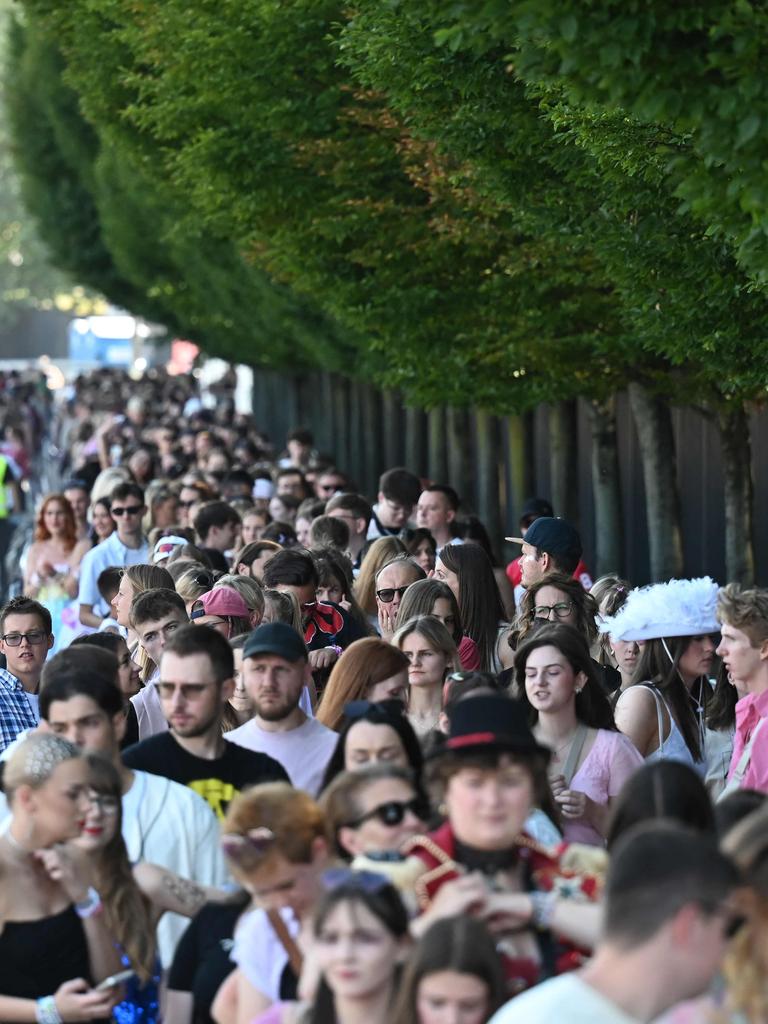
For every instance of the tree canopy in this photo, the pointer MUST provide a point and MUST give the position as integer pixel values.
(489, 203)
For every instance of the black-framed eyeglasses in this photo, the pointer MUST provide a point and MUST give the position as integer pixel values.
(393, 812)
(126, 510)
(562, 610)
(34, 637)
(387, 595)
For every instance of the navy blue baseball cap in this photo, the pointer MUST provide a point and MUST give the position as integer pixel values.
(276, 638)
(552, 535)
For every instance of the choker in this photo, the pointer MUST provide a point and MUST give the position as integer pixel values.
(487, 861)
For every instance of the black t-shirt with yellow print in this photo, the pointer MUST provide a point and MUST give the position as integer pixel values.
(217, 781)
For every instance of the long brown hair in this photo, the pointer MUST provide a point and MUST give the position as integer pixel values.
(126, 909)
(658, 664)
(69, 534)
(482, 610)
(461, 944)
(584, 604)
(363, 664)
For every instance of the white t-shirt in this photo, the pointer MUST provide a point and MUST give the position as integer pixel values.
(111, 551)
(168, 824)
(303, 752)
(567, 999)
(259, 953)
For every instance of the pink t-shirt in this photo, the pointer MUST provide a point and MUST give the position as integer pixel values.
(605, 769)
(749, 711)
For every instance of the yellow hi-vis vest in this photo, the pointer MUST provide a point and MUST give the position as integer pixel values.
(3, 491)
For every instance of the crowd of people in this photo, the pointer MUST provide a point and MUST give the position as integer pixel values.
(273, 751)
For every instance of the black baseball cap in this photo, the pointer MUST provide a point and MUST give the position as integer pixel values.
(276, 638)
(554, 536)
(535, 508)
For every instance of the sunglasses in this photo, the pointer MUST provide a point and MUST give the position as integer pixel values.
(126, 510)
(387, 595)
(393, 812)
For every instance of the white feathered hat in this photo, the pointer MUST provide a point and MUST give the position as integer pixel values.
(676, 608)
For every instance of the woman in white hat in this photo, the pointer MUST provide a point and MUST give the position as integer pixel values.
(662, 712)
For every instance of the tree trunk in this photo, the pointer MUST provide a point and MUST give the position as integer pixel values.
(486, 460)
(356, 440)
(392, 416)
(372, 426)
(564, 459)
(341, 420)
(329, 420)
(461, 472)
(437, 461)
(739, 493)
(518, 485)
(606, 487)
(653, 423)
(416, 440)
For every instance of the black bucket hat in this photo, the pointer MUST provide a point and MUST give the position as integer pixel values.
(490, 724)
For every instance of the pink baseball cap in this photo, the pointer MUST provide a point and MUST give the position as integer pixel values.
(222, 601)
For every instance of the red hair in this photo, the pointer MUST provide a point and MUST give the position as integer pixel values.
(41, 531)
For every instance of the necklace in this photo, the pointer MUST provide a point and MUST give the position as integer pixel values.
(697, 702)
(13, 842)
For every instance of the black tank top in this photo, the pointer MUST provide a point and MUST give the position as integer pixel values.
(37, 956)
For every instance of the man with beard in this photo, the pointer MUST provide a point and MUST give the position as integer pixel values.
(275, 670)
(196, 681)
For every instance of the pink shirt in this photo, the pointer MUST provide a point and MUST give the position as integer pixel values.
(603, 772)
(749, 711)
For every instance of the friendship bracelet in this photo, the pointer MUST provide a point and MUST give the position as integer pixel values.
(90, 905)
(543, 908)
(46, 1011)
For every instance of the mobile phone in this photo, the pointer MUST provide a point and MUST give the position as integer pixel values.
(112, 980)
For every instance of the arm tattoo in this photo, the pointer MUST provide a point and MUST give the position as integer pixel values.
(189, 894)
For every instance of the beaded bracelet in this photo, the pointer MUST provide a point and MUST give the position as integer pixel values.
(46, 1011)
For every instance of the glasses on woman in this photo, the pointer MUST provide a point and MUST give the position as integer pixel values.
(106, 804)
(392, 813)
(561, 610)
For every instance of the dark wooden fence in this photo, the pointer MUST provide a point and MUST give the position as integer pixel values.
(496, 462)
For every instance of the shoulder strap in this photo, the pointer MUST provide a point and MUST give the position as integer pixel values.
(574, 752)
(658, 700)
(295, 959)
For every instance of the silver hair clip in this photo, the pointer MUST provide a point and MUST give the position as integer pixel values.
(47, 752)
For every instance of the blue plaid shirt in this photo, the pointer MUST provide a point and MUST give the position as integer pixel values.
(16, 712)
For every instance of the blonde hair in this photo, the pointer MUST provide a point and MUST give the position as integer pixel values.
(378, 554)
(143, 577)
(107, 481)
(188, 585)
(283, 606)
(747, 846)
(436, 635)
(746, 610)
(35, 760)
(248, 589)
(288, 819)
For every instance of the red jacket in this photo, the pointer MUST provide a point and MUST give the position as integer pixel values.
(545, 873)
